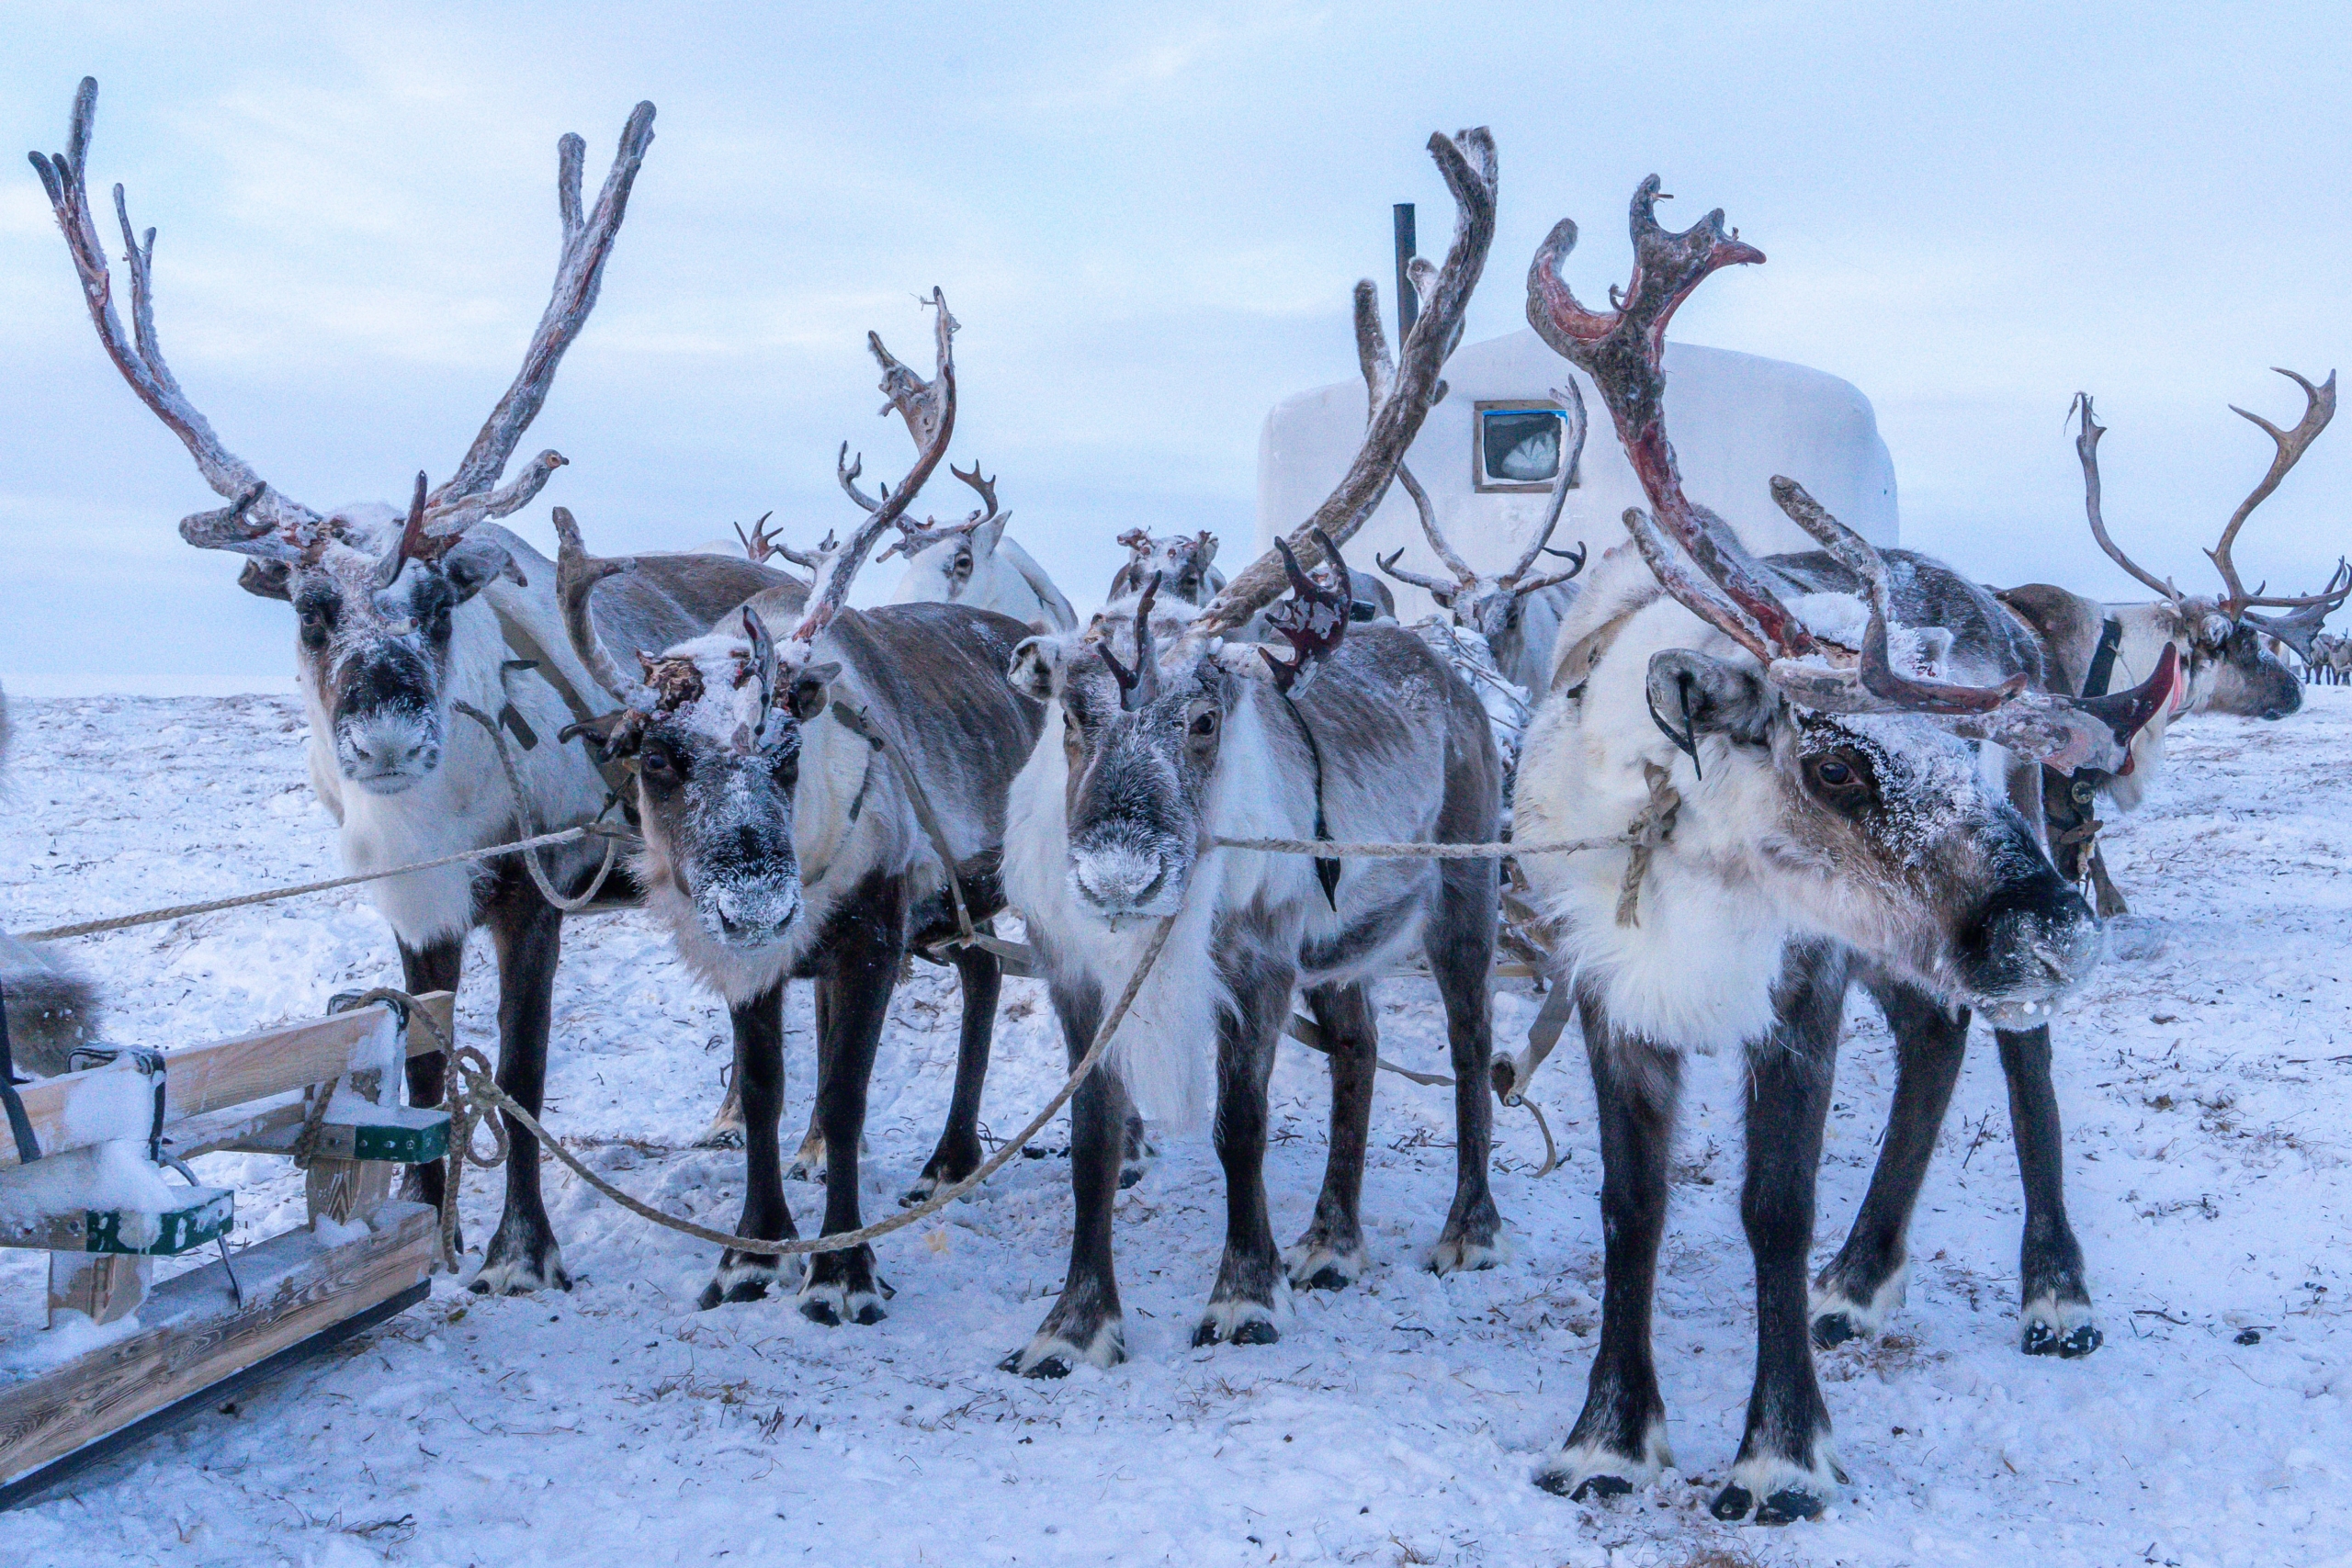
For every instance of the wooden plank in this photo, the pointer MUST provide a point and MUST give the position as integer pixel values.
(265, 1126)
(202, 1215)
(296, 1286)
(442, 1007)
(202, 1078)
(338, 1188)
(103, 1287)
(396, 1135)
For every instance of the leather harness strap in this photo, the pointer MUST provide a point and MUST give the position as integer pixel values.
(2102, 670)
(1327, 872)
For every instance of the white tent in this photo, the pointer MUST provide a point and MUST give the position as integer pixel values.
(1735, 419)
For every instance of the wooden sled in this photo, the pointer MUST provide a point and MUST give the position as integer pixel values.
(134, 1357)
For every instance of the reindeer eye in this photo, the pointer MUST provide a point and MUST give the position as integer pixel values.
(1841, 782)
(658, 764)
(1204, 723)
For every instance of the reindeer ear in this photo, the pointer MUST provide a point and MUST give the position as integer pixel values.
(267, 579)
(985, 537)
(2214, 630)
(809, 690)
(1693, 694)
(1934, 645)
(1040, 667)
(472, 564)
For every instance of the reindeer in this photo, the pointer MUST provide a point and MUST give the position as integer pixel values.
(1807, 811)
(777, 842)
(47, 1004)
(402, 623)
(2330, 658)
(2220, 637)
(1183, 563)
(2219, 642)
(1518, 614)
(1364, 731)
(969, 563)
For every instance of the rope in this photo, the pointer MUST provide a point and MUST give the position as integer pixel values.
(1417, 850)
(523, 820)
(212, 906)
(480, 1090)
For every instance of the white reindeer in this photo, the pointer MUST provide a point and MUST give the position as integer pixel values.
(1793, 766)
(405, 621)
(1111, 826)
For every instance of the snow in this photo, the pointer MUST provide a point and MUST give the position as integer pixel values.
(2202, 1075)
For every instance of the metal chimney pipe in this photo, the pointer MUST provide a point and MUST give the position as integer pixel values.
(1408, 300)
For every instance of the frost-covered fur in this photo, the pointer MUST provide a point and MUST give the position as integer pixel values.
(1165, 1054)
(1799, 842)
(982, 569)
(52, 1006)
(1752, 861)
(1114, 827)
(462, 801)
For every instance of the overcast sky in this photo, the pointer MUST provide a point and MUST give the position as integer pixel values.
(1147, 225)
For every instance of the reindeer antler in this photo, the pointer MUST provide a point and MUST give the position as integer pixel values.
(1401, 392)
(916, 537)
(467, 496)
(1701, 563)
(929, 410)
(2086, 449)
(265, 522)
(2319, 407)
(262, 522)
(2298, 629)
(576, 574)
(1623, 351)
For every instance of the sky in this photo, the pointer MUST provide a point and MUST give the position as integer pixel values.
(1147, 221)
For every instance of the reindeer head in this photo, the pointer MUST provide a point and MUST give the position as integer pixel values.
(1495, 607)
(375, 593)
(1835, 777)
(1146, 746)
(374, 631)
(2220, 636)
(1142, 746)
(1185, 565)
(714, 728)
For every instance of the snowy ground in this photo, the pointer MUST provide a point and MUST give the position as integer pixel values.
(1396, 1422)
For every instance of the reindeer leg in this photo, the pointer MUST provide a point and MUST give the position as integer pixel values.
(1252, 1290)
(856, 973)
(1619, 1441)
(2056, 1311)
(526, 933)
(1329, 1256)
(808, 1159)
(980, 975)
(1853, 1297)
(758, 1075)
(431, 968)
(1462, 954)
(1785, 1469)
(1084, 1322)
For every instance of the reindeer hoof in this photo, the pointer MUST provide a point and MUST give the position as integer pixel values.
(1833, 1328)
(2061, 1328)
(1051, 1366)
(1320, 1266)
(1237, 1323)
(1592, 1489)
(1785, 1507)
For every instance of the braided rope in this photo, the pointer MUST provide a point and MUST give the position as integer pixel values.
(480, 1091)
(212, 906)
(1418, 851)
